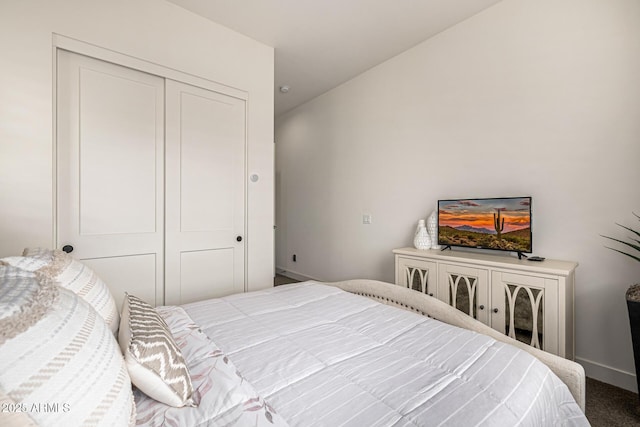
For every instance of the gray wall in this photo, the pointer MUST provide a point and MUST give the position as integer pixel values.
(537, 98)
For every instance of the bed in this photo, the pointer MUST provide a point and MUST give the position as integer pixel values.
(351, 353)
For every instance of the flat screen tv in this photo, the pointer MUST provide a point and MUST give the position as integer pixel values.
(502, 224)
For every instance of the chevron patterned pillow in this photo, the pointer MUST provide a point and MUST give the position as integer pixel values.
(154, 361)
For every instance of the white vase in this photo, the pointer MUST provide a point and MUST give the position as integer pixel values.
(421, 239)
(432, 229)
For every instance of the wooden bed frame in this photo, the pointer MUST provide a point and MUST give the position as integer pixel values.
(571, 373)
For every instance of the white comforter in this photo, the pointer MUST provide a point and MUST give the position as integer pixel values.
(323, 357)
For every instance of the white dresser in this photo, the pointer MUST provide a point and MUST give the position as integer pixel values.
(527, 300)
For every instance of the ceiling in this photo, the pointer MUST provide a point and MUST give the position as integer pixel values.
(320, 44)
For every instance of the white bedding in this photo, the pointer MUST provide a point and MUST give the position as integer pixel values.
(324, 357)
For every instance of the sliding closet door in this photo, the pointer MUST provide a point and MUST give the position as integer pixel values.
(205, 194)
(110, 172)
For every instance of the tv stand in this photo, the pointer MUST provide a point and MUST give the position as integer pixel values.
(521, 255)
(531, 302)
(445, 248)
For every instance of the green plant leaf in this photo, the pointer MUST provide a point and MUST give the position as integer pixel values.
(624, 253)
(628, 228)
(634, 244)
(636, 247)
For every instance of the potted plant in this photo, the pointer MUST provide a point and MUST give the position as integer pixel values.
(633, 293)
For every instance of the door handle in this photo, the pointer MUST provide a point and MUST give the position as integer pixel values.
(67, 248)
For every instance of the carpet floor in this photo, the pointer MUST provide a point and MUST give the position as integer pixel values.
(610, 406)
(607, 405)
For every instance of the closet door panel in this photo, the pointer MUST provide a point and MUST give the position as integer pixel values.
(136, 271)
(110, 172)
(209, 163)
(205, 194)
(117, 149)
(197, 269)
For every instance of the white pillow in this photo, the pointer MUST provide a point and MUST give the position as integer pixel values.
(73, 275)
(11, 415)
(154, 361)
(57, 353)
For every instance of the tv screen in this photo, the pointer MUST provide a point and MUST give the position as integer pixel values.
(501, 224)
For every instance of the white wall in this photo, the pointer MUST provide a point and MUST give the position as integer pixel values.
(537, 98)
(152, 30)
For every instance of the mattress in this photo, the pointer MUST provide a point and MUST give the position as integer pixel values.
(319, 356)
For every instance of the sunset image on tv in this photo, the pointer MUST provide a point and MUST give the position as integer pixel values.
(503, 224)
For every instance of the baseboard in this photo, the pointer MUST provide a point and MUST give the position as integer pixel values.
(295, 275)
(609, 375)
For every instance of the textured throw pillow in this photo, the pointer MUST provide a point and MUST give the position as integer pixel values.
(154, 361)
(59, 362)
(24, 263)
(73, 275)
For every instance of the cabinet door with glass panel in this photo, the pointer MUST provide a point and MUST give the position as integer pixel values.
(417, 274)
(531, 302)
(465, 288)
(522, 308)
